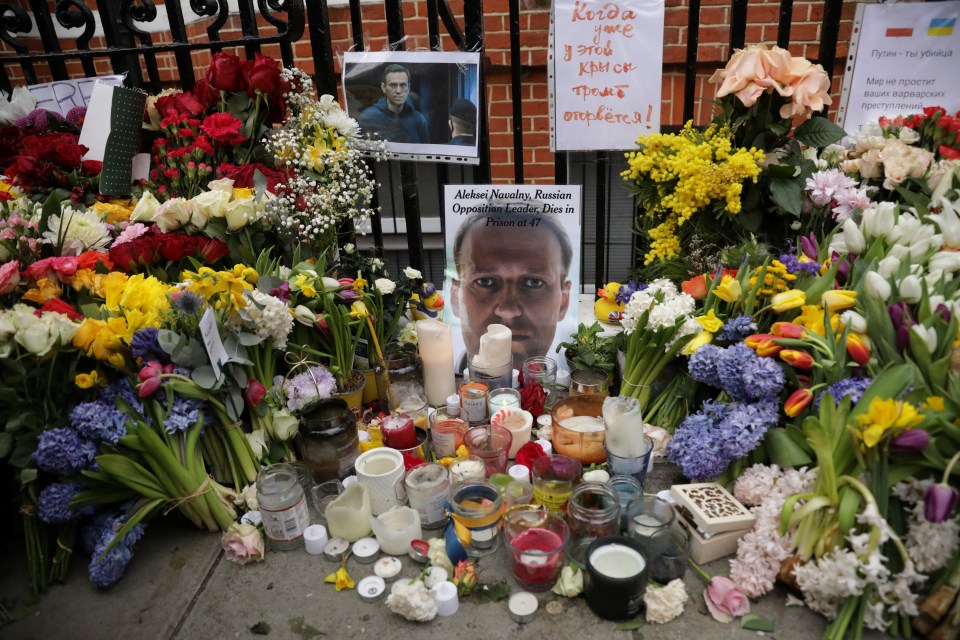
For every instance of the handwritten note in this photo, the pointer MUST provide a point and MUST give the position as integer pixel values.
(63, 95)
(607, 67)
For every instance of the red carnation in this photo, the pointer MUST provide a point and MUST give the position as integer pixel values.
(177, 246)
(528, 453)
(223, 128)
(225, 72)
(59, 306)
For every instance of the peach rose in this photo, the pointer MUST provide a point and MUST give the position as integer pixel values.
(752, 71)
(811, 92)
(242, 543)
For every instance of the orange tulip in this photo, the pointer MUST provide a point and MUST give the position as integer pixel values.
(797, 402)
(797, 358)
(753, 341)
(787, 330)
(858, 349)
(695, 287)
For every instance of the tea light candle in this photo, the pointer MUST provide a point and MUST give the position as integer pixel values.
(335, 548)
(388, 568)
(546, 446)
(519, 472)
(435, 345)
(365, 550)
(399, 431)
(419, 550)
(645, 525)
(315, 539)
(522, 606)
(445, 594)
(463, 470)
(371, 588)
(501, 398)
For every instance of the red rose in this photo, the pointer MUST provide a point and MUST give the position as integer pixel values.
(91, 167)
(262, 75)
(129, 255)
(184, 104)
(532, 399)
(213, 251)
(528, 453)
(59, 306)
(177, 246)
(948, 153)
(206, 94)
(226, 73)
(224, 128)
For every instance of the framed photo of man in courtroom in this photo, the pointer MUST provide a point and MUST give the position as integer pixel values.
(423, 104)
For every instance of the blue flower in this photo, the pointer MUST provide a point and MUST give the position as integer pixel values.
(144, 345)
(98, 534)
(793, 265)
(763, 378)
(745, 425)
(703, 365)
(63, 451)
(53, 504)
(853, 387)
(188, 302)
(737, 328)
(99, 421)
(122, 389)
(183, 414)
(730, 368)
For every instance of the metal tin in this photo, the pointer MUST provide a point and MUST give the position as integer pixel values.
(371, 588)
(520, 605)
(366, 550)
(335, 548)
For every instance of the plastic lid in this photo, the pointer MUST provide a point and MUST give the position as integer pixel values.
(453, 405)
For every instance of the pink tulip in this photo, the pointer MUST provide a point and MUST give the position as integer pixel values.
(151, 377)
(725, 600)
(254, 393)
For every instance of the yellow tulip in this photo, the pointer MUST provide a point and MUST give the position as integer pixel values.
(886, 416)
(87, 380)
(710, 322)
(790, 299)
(839, 299)
(358, 310)
(340, 578)
(729, 289)
(703, 338)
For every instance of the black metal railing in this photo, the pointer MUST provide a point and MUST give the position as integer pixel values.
(409, 190)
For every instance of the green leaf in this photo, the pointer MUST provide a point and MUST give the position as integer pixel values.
(788, 194)
(493, 592)
(6, 444)
(784, 450)
(170, 341)
(630, 625)
(204, 377)
(818, 132)
(781, 171)
(756, 623)
(248, 339)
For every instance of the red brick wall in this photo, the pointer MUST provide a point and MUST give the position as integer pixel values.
(713, 51)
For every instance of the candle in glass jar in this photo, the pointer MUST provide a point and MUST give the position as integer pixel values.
(436, 353)
(398, 431)
(463, 470)
(540, 556)
(501, 398)
(645, 526)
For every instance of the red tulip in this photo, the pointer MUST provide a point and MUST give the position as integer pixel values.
(151, 377)
(254, 393)
(797, 402)
(858, 349)
(753, 341)
(695, 287)
(797, 358)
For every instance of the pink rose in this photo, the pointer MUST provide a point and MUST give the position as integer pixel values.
(810, 89)
(725, 600)
(9, 276)
(254, 393)
(242, 543)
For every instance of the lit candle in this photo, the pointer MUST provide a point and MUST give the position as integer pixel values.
(436, 353)
(501, 398)
(496, 347)
(398, 431)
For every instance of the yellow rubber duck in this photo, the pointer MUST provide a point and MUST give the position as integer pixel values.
(607, 309)
(427, 303)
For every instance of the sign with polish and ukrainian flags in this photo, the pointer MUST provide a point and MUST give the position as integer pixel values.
(903, 57)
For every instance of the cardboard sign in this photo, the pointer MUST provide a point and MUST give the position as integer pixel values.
(905, 57)
(63, 95)
(606, 69)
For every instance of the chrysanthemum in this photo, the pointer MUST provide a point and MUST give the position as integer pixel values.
(76, 231)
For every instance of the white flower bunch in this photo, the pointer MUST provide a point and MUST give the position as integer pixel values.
(930, 544)
(665, 307)
(412, 600)
(268, 317)
(75, 231)
(20, 325)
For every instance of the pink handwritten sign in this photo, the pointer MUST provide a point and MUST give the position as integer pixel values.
(606, 71)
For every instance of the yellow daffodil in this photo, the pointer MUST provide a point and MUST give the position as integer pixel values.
(701, 339)
(728, 290)
(933, 403)
(87, 380)
(792, 299)
(710, 322)
(304, 283)
(886, 417)
(839, 299)
(245, 273)
(340, 578)
(359, 310)
(359, 284)
(102, 339)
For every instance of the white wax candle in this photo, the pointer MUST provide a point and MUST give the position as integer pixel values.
(468, 469)
(315, 539)
(365, 549)
(436, 352)
(388, 568)
(496, 347)
(617, 561)
(522, 606)
(445, 594)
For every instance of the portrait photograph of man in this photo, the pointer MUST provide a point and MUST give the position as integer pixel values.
(511, 263)
(418, 103)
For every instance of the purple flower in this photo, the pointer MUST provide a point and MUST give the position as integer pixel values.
(824, 185)
(304, 388)
(99, 421)
(183, 414)
(63, 451)
(75, 115)
(808, 244)
(97, 535)
(146, 346)
(282, 292)
(793, 265)
(853, 387)
(627, 290)
(188, 302)
(53, 504)
(730, 369)
(703, 365)
(938, 502)
(944, 312)
(763, 378)
(736, 329)
(910, 440)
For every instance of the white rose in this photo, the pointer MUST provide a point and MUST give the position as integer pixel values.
(172, 214)
(908, 135)
(349, 248)
(63, 328)
(285, 424)
(146, 208)
(7, 327)
(385, 285)
(239, 213)
(877, 286)
(36, 338)
(208, 204)
(223, 184)
(412, 273)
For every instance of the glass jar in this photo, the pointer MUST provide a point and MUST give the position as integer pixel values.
(627, 489)
(328, 439)
(283, 507)
(593, 511)
(648, 515)
(409, 399)
(400, 365)
(446, 433)
(478, 507)
(553, 480)
(543, 371)
(428, 490)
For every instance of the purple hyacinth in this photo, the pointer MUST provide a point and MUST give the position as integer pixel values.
(736, 329)
(99, 422)
(53, 504)
(105, 571)
(146, 346)
(763, 378)
(63, 451)
(852, 387)
(730, 368)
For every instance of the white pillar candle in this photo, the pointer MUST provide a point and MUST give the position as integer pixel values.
(496, 347)
(445, 594)
(396, 528)
(436, 352)
(315, 539)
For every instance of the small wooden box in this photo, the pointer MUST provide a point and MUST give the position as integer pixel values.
(712, 508)
(719, 545)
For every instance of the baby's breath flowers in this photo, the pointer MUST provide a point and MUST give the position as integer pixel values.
(320, 152)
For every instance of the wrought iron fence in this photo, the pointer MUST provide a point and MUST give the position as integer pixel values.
(410, 191)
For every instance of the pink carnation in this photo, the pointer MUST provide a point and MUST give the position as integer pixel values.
(132, 232)
(9, 276)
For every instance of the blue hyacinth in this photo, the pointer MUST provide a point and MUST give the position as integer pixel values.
(144, 345)
(703, 365)
(63, 451)
(99, 421)
(730, 368)
(736, 329)
(852, 387)
(97, 535)
(53, 504)
(762, 377)
(183, 414)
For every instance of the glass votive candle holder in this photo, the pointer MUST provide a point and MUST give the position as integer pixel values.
(428, 491)
(493, 376)
(467, 469)
(409, 399)
(647, 515)
(478, 507)
(634, 466)
(491, 444)
(553, 480)
(536, 542)
(501, 398)
(667, 550)
(322, 494)
(627, 489)
(541, 370)
(518, 492)
(588, 382)
(446, 434)
(593, 511)
(501, 480)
